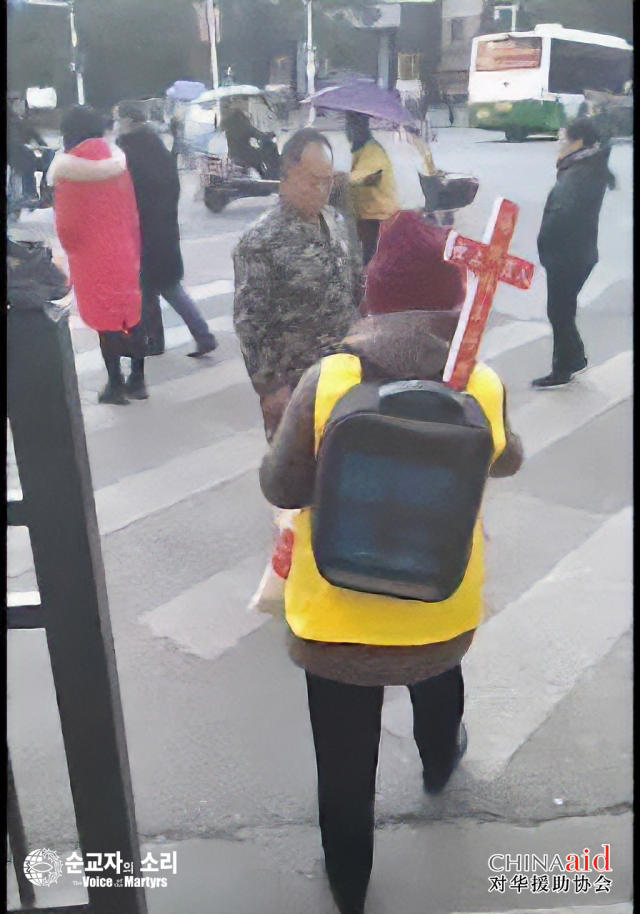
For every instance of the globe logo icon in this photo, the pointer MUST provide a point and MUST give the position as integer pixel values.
(42, 866)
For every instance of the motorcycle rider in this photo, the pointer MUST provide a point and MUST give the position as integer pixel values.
(239, 132)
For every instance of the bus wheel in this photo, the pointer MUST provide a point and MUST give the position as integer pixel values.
(515, 134)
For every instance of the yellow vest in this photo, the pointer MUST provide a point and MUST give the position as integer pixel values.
(319, 611)
(378, 201)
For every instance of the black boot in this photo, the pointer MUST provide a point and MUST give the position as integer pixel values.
(114, 391)
(111, 394)
(135, 386)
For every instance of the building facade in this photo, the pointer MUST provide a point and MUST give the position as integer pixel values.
(461, 21)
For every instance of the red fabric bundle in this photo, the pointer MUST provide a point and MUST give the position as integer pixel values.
(97, 224)
(408, 273)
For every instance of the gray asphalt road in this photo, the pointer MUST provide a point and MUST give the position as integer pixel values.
(218, 735)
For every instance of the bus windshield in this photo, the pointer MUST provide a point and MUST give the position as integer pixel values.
(508, 54)
(576, 66)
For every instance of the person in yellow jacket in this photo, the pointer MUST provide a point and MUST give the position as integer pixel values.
(371, 177)
(351, 644)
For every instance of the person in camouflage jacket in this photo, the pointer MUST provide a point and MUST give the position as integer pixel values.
(297, 278)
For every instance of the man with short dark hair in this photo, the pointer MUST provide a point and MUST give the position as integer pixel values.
(297, 280)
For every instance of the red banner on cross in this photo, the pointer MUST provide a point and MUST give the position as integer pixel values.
(489, 262)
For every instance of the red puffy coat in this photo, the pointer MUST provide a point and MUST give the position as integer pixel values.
(97, 224)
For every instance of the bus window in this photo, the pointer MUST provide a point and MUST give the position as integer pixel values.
(508, 54)
(576, 66)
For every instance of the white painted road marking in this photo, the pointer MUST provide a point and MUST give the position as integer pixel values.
(510, 336)
(546, 419)
(205, 620)
(91, 359)
(552, 415)
(529, 656)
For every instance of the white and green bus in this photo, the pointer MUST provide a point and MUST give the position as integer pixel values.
(533, 82)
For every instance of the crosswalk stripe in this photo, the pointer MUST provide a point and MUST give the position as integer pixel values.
(202, 381)
(527, 658)
(208, 619)
(543, 421)
(208, 289)
(551, 416)
(91, 359)
(198, 292)
(141, 494)
(513, 689)
(498, 340)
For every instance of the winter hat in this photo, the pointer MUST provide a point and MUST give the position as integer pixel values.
(408, 272)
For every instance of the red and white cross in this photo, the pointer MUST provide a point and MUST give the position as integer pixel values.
(489, 263)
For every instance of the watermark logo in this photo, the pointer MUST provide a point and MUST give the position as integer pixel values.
(42, 866)
(552, 873)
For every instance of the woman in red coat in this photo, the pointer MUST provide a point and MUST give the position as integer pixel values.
(97, 223)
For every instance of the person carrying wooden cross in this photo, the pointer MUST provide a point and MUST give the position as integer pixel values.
(351, 643)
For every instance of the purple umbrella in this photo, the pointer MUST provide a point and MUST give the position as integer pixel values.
(363, 97)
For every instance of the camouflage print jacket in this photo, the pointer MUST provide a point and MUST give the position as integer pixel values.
(297, 289)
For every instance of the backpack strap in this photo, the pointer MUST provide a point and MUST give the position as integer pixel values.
(487, 388)
(338, 374)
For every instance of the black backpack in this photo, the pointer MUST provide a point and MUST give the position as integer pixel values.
(400, 476)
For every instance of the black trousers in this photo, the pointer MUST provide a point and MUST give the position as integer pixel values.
(345, 720)
(563, 287)
(368, 231)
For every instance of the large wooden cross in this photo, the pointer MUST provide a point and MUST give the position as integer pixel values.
(489, 263)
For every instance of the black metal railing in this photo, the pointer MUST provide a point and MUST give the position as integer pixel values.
(58, 508)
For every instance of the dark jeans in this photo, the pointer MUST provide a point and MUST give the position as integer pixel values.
(368, 231)
(563, 286)
(31, 165)
(182, 303)
(345, 720)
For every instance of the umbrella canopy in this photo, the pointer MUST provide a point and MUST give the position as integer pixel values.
(185, 91)
(363, 97)
(214, 95)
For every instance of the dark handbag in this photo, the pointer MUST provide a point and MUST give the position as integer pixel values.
(32, 277)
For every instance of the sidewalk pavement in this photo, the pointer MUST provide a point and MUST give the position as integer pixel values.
(430, 867)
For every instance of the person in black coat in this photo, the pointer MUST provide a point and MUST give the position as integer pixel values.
(568, 242)
(21, 157)
(157, 187)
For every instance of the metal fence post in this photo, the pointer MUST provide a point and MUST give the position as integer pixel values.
(17, 840)
(59, 509)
